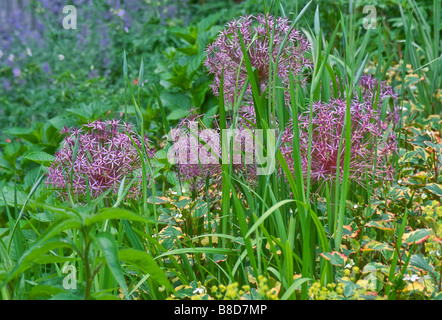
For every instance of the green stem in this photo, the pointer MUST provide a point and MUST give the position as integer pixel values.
(88, 275)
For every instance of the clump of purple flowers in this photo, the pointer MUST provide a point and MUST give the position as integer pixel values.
(195, 162)
(225, 58)
(97, 157)
(197, 152)
(372, 141)
(372, 138)
(225, 53)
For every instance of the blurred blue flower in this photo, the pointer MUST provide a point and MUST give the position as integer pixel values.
(121, 13)
(16, 72)
(7, 84)
(46, 68)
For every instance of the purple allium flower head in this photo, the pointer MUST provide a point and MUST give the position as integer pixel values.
(105, 155)
(186, 151)
(225, 53)
(369, 132)
(369, 88)
(197, 152)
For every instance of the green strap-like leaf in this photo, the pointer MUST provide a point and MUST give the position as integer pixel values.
(295, 285)
(266, 215)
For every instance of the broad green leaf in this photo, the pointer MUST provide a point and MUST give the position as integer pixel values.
(115, 213)
(349, 287)
(158, 200)
(380, 224)
(146, 264)
(411, 156)
(44, 291)
(173, 101)
(335, 258)
(411, 79)
(35, 251)
(376, 246)
(59, 122)
(195, 62)
(109, 248)
(57, 227)
(181, 204)
(9, 196)
(200, 210)
(437, 147)
(416, 236)
(59, 212)
(219, 257)
(177, 114)
(436, 296)
(171, 231)
(161, 154)
(369, 267)
(435, 189)
(32, 135)
(141, 75)
(419, 261)
(421, 139)
(40, 157)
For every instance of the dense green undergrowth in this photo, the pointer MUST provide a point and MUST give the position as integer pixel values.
(91, 207)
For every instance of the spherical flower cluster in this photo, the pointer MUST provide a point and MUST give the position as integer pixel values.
(96, 158)
(194, 160)
(225, 57)
(372, 138)
(198, 152)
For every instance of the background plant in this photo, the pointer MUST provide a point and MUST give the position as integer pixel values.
(275, 237)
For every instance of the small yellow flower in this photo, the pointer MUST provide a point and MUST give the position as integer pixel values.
(331, 286)
(340, 289)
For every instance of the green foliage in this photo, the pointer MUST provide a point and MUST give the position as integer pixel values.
(279, 237)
